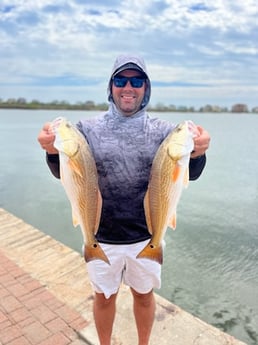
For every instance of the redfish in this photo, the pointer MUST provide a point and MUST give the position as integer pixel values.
(79, 178)
(169, 175)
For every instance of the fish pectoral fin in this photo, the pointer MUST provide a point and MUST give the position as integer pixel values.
(176, 172)
(172, 223)
(75, 167)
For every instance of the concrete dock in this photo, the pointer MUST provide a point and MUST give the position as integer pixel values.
(46, 298)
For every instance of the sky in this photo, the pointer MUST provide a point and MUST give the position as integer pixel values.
(196, 52)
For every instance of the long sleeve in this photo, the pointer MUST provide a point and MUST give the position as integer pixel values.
(53, 164)
(196, 167)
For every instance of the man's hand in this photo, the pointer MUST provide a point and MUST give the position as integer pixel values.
(201, 142)
(46, 139)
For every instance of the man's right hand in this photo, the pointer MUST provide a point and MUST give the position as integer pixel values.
(46, 139)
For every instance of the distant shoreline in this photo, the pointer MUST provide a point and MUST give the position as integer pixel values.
(104, 107)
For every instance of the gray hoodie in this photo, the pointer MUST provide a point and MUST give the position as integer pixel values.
(123, 148)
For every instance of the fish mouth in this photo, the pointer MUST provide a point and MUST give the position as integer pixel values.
(55, 124)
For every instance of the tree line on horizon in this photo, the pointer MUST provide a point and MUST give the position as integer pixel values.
(21, 103)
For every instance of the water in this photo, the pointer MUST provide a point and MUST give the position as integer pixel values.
(210, 266)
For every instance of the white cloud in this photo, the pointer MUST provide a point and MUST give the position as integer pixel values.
(184, 42)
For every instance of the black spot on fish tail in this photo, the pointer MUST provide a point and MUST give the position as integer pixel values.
(94, 252)
(152, 252)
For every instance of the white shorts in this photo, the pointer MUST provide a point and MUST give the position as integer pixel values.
(141, 274)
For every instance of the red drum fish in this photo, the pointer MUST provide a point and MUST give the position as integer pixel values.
(169, 175)
(79, 178)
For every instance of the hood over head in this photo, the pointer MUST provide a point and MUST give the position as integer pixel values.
(134, 62)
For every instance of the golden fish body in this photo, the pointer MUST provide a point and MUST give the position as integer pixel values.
(80, 180)
(169, 174)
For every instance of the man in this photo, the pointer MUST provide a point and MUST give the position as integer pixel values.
(124, 141)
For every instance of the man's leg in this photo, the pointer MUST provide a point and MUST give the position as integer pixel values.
(144, 312)
(104, 315)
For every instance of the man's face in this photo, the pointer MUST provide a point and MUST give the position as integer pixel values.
(128, 99)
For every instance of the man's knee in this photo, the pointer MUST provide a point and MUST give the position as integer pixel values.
(145, 299)
(102, 302)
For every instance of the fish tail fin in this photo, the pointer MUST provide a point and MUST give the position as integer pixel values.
(152, 252)
(94, 252)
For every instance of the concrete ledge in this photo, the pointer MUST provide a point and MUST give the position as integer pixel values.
(63, 272)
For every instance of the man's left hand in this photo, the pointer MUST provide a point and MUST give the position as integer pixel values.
(201, 143)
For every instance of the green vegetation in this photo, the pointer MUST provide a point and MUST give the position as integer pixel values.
(21, 103)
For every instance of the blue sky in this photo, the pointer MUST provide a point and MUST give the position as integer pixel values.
(197, 52)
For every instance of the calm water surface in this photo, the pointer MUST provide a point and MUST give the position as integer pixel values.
(211, 260)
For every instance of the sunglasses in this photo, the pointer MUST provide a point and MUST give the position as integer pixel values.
(135, 82)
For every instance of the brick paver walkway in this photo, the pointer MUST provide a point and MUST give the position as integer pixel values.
(30, 314)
